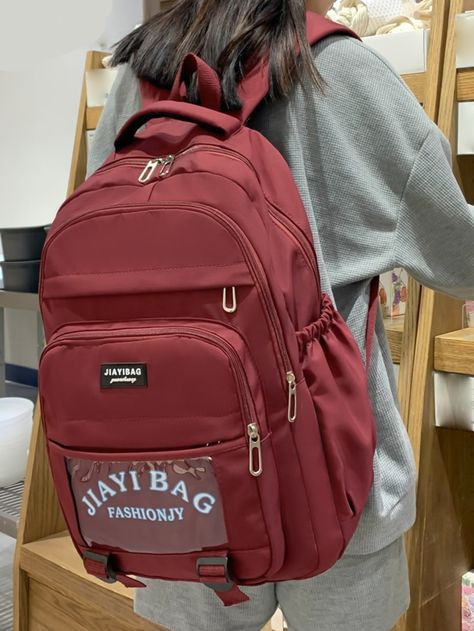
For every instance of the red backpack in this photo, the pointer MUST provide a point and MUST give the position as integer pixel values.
(205, 407)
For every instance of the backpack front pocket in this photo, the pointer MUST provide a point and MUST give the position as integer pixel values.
(159, 444)
(149, 385)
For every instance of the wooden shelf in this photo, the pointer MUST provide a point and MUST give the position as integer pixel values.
(454, 352)
(465, 84)
(417, 84)
(394, 331)
(63, 591)
(92, 117)
(64, 596)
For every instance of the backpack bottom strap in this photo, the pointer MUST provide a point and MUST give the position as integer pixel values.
(99, 565)
(214, 573)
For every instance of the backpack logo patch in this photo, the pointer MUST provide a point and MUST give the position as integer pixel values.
(123, 376)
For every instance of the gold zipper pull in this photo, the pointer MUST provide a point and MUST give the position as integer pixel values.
(167, 163)
(292, 402)
(255, 450)
(149, 169)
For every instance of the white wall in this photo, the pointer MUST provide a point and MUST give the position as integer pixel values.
(38, 106)
(38, 112)
(40, 85)
(125, 15)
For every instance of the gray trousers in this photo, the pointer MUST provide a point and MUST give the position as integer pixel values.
(360, 593)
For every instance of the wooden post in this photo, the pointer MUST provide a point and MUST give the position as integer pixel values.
(431, 102)
(433, 81)
(441, 544)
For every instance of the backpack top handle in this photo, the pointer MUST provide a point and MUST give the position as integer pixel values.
(219, 123)
(208, 114)
(209, 85)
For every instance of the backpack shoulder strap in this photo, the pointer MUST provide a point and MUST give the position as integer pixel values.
(371, 319)
(319, 27)
(254, 87)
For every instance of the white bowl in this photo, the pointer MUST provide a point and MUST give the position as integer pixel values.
(15, 432)
(14, 410)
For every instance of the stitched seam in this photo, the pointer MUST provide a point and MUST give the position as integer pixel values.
(402, 196)
(143, 269)
(140, 418)
(225, 177)
(177, 554)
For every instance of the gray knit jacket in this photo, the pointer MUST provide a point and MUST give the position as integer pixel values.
(375, 176)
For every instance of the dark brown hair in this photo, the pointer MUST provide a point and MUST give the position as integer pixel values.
(230, 35)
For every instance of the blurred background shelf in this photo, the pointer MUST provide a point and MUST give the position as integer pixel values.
(7, 549)
(17, 300)
(10, 506)
(465, 84)
(454, 352)
(394, 330)
(93, 115)
(417, 84)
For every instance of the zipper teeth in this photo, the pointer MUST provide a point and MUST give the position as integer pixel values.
(252, 258)
(277, 213)
(138, 162)
(274, 210)
(305, 248)
(147, 323)
(143, 160)
(244, 389)
(270, 308)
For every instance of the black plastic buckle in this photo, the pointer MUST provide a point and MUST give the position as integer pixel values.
(104, 559)
(224, 561)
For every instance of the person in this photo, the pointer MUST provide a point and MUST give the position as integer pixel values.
(376, 180)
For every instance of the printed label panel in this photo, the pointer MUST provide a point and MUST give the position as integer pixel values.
(169, 506)
(123, 376)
